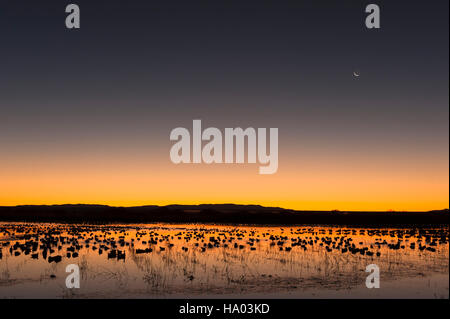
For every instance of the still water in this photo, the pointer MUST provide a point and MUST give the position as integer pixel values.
(214, 261)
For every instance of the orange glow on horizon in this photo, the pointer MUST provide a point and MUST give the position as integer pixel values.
(368, 185)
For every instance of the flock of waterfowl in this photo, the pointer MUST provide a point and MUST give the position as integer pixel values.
(53, 243)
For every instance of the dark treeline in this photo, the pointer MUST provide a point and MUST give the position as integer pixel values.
(220, 214)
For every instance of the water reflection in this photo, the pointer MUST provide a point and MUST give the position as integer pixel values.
(201, 260)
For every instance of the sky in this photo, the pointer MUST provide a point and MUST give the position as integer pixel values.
(85, 115)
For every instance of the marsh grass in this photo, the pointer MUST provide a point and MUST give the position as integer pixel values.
(188, 264)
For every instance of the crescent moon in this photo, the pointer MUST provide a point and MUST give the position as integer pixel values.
(355, 74)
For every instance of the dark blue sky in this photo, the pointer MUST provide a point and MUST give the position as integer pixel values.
(137, 69)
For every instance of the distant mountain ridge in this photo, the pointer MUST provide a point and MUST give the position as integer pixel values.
(214, 213)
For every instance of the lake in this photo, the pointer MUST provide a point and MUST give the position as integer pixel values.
(219, 261)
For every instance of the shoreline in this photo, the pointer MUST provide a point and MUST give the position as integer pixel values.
(238, 215)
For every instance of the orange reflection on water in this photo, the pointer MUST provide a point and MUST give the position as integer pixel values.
(157, 260)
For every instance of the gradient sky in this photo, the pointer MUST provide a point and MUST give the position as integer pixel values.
(85, 115)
